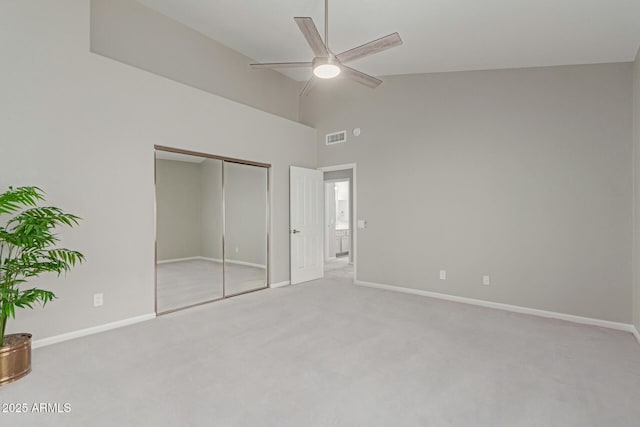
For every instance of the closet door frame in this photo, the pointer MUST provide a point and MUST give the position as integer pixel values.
(224, 159)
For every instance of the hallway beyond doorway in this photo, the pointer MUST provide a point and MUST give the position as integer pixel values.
(338, 268)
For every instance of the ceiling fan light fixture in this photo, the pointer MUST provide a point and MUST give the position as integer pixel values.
(326, 69)
(325, 64)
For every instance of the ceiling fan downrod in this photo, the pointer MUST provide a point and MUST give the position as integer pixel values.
(326, 24)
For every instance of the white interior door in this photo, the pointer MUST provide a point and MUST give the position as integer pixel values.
(306, 224)
(330, 220)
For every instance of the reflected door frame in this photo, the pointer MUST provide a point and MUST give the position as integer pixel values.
(224, 159)
(329, 220)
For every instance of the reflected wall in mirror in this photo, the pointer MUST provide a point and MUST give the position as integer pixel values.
(246, 218)
(189, 230)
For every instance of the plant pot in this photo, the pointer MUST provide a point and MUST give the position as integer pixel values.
(15, 357)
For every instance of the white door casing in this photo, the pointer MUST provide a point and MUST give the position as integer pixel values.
(330, 220)
(306, 219)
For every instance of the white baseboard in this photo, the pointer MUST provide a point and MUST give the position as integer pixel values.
(507, 307)
(90, 331)
(636, 333)
(204, 258)
(248, 264)
(230, 261)
(280, 284)
(168, 261)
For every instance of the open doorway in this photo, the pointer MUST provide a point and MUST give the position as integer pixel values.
(339, 224)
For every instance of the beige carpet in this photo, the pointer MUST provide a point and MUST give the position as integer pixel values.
(329, 353)
(339, 268)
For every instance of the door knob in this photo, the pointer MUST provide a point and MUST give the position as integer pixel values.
(295, 231)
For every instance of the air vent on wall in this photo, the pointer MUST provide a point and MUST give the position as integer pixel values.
(336, 137)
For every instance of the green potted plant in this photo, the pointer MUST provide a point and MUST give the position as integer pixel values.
(27, 249)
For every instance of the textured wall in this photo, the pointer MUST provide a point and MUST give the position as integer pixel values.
(128, 31)
(87, 125)
(245, 203)
(522, 174)
(211, 223)
(179, 209)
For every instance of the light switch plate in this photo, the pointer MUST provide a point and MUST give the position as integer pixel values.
(362, 223)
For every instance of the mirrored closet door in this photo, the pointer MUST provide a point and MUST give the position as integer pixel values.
(211, 228)
(245, 243)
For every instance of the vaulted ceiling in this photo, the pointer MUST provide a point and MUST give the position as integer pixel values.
(439, 35)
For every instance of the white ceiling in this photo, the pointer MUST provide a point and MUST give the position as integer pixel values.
(439, 35)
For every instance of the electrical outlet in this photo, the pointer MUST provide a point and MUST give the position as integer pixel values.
(98, 300)
(443, 274)
(237, 250)
(486, 280)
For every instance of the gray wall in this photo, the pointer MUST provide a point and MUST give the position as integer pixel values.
(88, 125)
(211, 222)
(523, 174)
(178, 209)
(189, 209)
(245, 213)
(128, 31)
(636, 184)
(189, 206)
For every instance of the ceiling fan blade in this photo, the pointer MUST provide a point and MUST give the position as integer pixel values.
(359, 77)
(307, 88)
(310, 32)
(280, 65)
(383, 43)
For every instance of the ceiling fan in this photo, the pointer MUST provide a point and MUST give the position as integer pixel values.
(325, 64)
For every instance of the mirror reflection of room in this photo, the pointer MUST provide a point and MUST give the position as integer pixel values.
(189, 230)
(211, 229)
(245, 204)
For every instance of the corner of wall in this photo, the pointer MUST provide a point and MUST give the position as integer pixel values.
(636, 195)
(133, 33)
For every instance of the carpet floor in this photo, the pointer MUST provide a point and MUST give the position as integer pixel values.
(184, 283)
(339, 268)
(330, 353)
